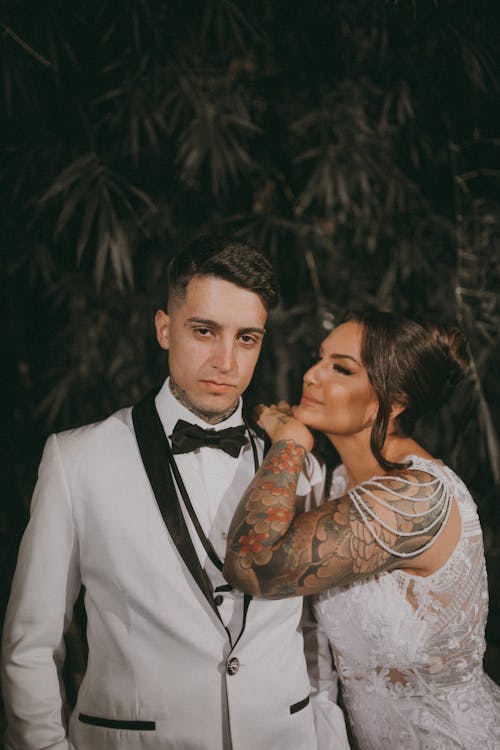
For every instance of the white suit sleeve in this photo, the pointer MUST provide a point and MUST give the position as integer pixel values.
(45, 586)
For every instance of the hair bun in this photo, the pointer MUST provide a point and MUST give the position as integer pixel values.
(453, 345)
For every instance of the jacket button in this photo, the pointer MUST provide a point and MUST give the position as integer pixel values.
(218, 600)
(232, 665)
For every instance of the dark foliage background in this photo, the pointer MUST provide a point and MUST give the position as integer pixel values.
(356, 141)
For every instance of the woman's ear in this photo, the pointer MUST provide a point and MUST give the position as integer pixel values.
(396, 410)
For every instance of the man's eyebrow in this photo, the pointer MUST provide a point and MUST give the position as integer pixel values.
(205, 322)
(218, 327)
(251, 329)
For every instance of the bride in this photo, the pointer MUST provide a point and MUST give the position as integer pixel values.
(394, 555)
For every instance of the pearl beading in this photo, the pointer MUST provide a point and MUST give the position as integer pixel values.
(439, 500)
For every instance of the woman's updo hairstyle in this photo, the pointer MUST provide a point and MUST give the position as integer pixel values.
(410, 364)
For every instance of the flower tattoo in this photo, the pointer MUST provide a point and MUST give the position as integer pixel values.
(269, 506)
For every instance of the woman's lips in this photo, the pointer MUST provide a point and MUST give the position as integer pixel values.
(309, 401)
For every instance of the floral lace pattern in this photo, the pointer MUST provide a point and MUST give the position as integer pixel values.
(409, 649)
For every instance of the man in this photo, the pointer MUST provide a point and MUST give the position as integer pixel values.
(136, 509)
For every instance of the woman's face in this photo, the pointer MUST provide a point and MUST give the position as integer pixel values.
(337, 397)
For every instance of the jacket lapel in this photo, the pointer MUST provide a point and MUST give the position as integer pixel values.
(153, 447)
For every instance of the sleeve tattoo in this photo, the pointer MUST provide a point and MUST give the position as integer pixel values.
(273, 552)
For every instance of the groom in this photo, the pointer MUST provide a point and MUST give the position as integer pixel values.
(135, 509)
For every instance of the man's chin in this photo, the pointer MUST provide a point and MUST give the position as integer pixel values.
(216, 406)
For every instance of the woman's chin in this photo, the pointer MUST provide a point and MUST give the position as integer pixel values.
(303, 414)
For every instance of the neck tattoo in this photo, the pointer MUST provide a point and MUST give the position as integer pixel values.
(209, 417)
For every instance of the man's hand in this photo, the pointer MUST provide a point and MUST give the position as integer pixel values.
(279, 423)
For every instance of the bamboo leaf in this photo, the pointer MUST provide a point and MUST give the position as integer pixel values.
(85, 165)
(75, 196)
(103, 240)
(87, 221)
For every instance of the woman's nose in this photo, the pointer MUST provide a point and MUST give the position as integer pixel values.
(311, 376)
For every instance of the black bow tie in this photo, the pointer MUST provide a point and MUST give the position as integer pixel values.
(187, 437)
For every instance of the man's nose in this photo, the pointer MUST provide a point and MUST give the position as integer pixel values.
(223, 356)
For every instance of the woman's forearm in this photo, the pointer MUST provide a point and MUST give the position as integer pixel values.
(263, 517)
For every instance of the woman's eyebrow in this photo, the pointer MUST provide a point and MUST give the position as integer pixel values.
(344, 356)
(337, 355)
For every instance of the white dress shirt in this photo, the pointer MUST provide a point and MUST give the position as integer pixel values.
(215, 482)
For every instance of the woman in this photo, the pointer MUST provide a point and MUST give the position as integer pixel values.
(395, 553)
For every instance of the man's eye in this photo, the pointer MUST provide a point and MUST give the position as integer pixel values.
(248, 340)
(341, 369)
(205, 332)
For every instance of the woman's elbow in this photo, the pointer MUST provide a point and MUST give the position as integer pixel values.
(243, 579)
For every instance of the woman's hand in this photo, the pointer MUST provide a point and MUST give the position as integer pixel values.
(279, 423)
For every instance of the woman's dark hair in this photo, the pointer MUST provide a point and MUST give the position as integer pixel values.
(411, 364)
(228, 259)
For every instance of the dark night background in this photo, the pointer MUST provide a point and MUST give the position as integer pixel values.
(357, 142)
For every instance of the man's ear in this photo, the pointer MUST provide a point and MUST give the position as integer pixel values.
(162, 324)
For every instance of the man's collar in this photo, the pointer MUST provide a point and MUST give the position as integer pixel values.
(170, 411)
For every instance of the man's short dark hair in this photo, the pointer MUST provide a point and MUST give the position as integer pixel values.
(228, 259)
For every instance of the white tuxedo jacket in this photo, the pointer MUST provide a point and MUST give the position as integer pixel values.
(161, 672)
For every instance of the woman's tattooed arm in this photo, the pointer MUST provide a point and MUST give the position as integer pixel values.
(263, 516)
(273, 553)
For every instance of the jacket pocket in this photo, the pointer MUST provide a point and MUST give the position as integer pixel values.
(97, 721)
(299, 706)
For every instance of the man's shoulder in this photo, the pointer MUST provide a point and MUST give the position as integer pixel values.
(96, 436)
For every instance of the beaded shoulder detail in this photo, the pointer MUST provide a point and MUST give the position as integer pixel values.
(429, 500)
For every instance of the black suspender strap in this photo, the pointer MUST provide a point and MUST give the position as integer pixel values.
(207, 545)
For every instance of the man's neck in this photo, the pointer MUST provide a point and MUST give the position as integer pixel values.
(208, 417)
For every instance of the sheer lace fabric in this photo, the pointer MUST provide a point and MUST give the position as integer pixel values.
(409, 649)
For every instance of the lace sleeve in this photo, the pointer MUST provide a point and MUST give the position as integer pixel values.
(412, 509)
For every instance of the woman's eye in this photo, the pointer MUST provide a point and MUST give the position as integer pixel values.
(341, 369)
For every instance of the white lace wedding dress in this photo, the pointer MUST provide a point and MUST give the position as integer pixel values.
(409, 649)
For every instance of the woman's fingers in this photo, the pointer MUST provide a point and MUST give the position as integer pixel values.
(281, 425)
(282, 408)
(262, 410)
(258, 410)
(285, 407)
